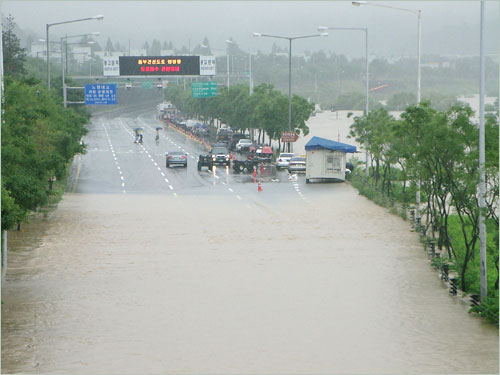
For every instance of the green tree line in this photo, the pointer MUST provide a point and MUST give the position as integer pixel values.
(439, 149)
(329, 79)
(265, 111)
(39, 136)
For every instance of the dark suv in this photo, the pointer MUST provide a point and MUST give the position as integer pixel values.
(205, 161)
(220, 155)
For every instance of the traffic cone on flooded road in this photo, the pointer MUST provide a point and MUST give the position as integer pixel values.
(260, 187)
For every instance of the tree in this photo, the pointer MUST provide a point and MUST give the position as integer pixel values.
(400, 101)
(11, 212)
(147, 48)
(39, 137)
(206, 43)
(109, 46)
(155, 48)
(118, 47)
(14, 56)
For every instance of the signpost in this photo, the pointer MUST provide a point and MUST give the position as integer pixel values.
(100, 94)
(289, 137)
(204, 89)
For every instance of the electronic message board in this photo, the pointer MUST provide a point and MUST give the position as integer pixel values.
(159, 65)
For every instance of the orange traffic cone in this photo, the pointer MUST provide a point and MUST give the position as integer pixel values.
(260, 187)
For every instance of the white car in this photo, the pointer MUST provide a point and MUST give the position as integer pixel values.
(243, 144)
(283, 160)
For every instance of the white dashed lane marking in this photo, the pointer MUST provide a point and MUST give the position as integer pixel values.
(114, 157)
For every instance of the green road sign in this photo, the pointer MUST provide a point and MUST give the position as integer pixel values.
(147, 85)
(204, 89)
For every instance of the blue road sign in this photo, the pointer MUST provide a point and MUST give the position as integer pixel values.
(100, 94)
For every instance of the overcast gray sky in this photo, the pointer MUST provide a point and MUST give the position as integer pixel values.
(448, 27)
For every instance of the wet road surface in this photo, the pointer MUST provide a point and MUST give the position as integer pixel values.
(144, 269)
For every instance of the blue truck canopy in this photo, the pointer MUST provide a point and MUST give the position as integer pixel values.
(322, 143)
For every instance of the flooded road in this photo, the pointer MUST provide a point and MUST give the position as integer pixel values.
(212, 276)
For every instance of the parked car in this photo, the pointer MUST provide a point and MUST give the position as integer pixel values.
(283, 160)
(176, 158)
(243, 145)
(297, 164)
(235, 139)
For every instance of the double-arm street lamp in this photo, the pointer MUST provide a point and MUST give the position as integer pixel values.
(64, 61)
(289, 69)
(249, 66)
(418, 13)
(98, 17)
(64, 45)
(365, 30)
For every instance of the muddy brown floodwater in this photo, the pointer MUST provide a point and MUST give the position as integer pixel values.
(110, 284)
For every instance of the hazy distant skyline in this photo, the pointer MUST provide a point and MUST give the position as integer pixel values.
(448, 27)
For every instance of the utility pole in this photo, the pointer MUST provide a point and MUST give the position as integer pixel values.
(4, 237)
(482, 184)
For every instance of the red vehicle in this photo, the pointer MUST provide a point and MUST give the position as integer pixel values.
(264, 154)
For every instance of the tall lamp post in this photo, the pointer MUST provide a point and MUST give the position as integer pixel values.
(289, 70)
(64, 42)
(228, 41)
(418, 13)
(323, 28)
(249, 66)
(63, 63)
(98, 17)
(482, 185)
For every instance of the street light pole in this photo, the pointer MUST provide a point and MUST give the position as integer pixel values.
(418, 13)
(290, 146)
(65, 60)
(290, 39)
(249, 66)
(250, 78)
(227, 69)
(228, 41)
(482, 184)
(365, 30)
(48, 25)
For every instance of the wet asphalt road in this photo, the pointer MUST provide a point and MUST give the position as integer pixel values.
(144, 269)
(115, 164)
